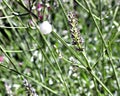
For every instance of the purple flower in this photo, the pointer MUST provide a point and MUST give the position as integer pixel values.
(40, 17)
(1, 58)
(39, 7)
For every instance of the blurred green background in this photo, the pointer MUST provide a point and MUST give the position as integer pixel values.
(46, 60)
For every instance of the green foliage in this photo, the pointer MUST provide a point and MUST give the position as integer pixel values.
(50, 64)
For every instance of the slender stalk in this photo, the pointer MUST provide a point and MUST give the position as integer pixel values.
(8, 58)
(114, 16)
(7, 17)
(59, 1)
(101, 83)
(13, 27)
(105, 45)
(69, 48)
(62, 79)
(88, 10)
(77, 56)
(32, 79)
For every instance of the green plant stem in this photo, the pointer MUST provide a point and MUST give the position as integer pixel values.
(19, 51)
(46, 58)
(5, 17)
(60, 3)
(114, 15)
(66, 18)
(62, 79)
(8, 58)
(77, 56)
(46, 43)
(69, 48)
(32, 79)
(30, 12)
(88, 10)
(13, 27)
(105, 45)
(101, 83)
